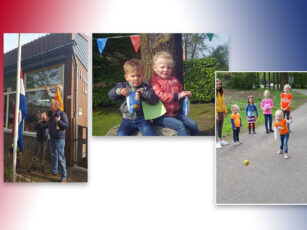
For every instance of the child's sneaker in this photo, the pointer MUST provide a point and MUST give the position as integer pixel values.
(240, 142)
(280, 151)
(223, 143)
(286, 155)
(218, 145)
(237, 143)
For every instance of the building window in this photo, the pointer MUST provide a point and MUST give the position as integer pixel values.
(49, 76)
(37, 98)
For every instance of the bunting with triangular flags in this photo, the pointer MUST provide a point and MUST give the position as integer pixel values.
(101, 42)
(135, 39)
(210, 36)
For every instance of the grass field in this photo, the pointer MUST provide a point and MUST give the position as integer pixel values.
(239, 97)
(104, 118)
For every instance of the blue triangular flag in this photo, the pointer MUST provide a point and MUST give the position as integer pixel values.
(101, 42)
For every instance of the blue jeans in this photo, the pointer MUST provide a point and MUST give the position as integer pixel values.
(127, 127)
(266, 118)
(284, 142)
(180, 123)
(287, 114)
(57, 153)
(236, 134)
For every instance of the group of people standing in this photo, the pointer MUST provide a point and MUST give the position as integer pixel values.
(281, 125)
(54, 123)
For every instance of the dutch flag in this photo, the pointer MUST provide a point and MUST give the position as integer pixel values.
(22, 112)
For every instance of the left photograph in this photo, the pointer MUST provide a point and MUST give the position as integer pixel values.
(45, 120)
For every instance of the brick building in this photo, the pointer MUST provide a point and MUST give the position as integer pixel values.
(48, 61)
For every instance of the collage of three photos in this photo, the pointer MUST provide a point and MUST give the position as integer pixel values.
(151, 85)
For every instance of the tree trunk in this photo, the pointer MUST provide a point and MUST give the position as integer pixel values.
(274, 80)
(278, 80)
(264, 80)
(269, 80)
(152, 43)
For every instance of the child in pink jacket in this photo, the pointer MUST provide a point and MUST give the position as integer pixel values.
(169, 90)
(267, 106)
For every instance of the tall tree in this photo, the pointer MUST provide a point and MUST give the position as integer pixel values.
(194, 45)
(221, 53)
(152, 43)
(269, 80)
(274, 80)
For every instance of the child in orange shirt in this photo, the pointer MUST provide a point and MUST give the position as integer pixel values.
(236, 124)
(280, 126)
(285, 102)
(56, 95)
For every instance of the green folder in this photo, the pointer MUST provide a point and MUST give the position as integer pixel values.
(153, 111)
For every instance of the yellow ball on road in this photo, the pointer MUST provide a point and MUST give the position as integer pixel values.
(246, 162)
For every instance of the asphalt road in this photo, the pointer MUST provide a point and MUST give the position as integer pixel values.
(269, 178)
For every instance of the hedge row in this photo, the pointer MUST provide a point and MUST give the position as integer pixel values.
(199, 78)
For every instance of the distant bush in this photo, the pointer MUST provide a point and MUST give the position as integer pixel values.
(199, 78)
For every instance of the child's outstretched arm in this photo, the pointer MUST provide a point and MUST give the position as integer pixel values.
(149, 95)
(50, 94)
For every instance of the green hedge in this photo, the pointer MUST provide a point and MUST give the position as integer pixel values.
(199, 78)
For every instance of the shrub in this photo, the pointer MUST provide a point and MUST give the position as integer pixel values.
(243, 81)
(199, 78)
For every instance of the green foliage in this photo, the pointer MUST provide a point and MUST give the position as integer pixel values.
(221, 53)
(103, 83)
(244, 81)
(8, 173)
(199, 75)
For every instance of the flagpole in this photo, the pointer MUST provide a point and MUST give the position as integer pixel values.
(16, 125)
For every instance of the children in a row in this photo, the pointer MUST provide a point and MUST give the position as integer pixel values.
(162, 86)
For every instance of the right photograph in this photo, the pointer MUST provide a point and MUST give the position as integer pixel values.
(261, 137)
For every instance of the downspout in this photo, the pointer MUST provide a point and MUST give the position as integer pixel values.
(76, 107)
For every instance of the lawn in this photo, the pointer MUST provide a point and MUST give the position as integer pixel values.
(104, 118)
(239, 97)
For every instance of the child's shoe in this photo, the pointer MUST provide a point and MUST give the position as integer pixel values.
(237, 143)
(286, 155)
(267, 131)
(271, 130)
(223, 143)
(218, 145)
(254, 132)
(280, 151)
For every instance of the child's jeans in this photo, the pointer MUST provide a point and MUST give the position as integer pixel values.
(40, 149)
(287, 114)
(180, 123)
(268, 117)
(127, 127)
(236, 134)
(284, 142)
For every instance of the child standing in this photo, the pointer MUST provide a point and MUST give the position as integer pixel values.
(281, 127)
(266, 106)
(169, 90)
(41, 127)
(221, 113)
(251, 114)
(133, 120)
(285, 102)
(236, 123)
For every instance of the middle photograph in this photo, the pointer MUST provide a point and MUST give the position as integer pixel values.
(156, 84)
